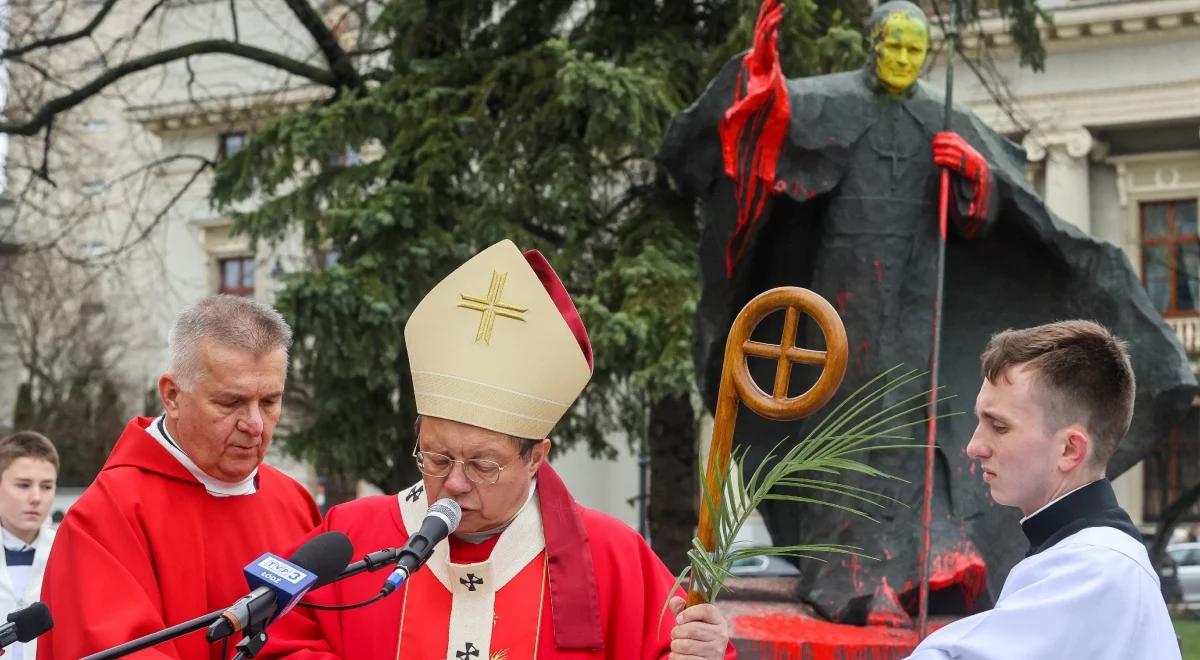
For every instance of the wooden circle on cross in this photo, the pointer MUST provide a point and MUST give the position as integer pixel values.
(794, 301)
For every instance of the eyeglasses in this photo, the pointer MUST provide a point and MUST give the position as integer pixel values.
(478, 470)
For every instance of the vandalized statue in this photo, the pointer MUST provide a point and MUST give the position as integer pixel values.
(831, 183)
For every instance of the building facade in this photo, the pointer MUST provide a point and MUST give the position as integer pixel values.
(1111, 129)
(136, 161)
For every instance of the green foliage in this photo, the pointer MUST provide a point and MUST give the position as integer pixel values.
(82, 416)
(535, 120)
(807, 473)
(1021, 16)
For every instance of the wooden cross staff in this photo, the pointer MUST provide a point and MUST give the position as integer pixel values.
(738, 386)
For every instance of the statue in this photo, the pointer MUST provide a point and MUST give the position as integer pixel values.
(831, 183)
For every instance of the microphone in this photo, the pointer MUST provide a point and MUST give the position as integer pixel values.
(26, 624)
(443, 517)
(277, 584)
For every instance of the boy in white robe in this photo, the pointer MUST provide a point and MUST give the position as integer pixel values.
(28, 480)
(1055, 401)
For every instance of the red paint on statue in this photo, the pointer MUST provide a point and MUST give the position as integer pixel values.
(878, 272)
(886, 610)
(750, 150)
(963, 567)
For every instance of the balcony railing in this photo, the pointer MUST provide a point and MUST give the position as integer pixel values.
(1187, 328)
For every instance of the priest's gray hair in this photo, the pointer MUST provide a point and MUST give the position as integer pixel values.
(230, 321)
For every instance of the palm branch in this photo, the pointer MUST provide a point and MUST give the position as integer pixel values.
(836, 446)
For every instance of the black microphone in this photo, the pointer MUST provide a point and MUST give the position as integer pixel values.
(278, 584)
(443, 517)
(26, 624)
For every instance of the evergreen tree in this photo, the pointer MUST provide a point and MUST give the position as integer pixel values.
(535, 120)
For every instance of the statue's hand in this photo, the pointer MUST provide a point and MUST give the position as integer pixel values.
(764, 55)
(953, 152)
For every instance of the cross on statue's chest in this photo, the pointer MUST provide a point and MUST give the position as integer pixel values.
(470, 581)
(894, 139)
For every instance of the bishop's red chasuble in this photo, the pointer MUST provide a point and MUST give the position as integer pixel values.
(561, 582)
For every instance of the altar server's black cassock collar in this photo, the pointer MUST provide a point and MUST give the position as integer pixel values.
(1094, 505)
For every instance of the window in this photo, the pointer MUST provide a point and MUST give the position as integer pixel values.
(327, 259)
(92, 248)
(1171, 256)
(347, 158)
(1172, 468)
(229, 144)
(237, 276)
(92, 187)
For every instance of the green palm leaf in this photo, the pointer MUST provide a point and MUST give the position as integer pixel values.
(837, 445)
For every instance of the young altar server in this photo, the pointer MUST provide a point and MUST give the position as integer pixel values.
(1056, 399)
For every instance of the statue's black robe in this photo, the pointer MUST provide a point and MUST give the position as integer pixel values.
(857, 223)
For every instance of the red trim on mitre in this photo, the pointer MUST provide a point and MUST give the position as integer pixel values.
(574, 598)
(562, 300)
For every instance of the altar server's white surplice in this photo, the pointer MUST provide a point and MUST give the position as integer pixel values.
(1091, 596)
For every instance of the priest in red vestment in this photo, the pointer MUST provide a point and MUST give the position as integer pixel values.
(183, 502)
(498, 354)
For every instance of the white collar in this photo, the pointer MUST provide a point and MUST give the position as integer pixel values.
(215, 487)
(11, 542)
(1047, 504)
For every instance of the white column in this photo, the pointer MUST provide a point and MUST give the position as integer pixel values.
(1130, 490)
(1065, 156)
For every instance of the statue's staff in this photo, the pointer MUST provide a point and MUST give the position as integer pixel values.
(737, 386)
(944, 194)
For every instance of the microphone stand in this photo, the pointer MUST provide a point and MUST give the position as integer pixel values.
(375, 561)
(254, 638)
(166, 634)
(251, 644)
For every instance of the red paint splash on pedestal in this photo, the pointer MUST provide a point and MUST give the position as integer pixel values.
(962, 567)
(779, 631)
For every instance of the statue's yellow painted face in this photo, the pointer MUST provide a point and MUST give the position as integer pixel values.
(901, 43)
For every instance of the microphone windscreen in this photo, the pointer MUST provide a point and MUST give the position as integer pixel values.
(325, 555)
(450, 510)
(31, 621)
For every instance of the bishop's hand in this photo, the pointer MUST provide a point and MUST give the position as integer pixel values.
(700, 632)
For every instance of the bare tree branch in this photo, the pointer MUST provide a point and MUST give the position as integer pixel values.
(43, 170)
(54, 241)
(40, 70)
(85, 31)
(131, 38)
(339, 62)
(63, 103)
(158, 217)
(234, 18)
(367, 52)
